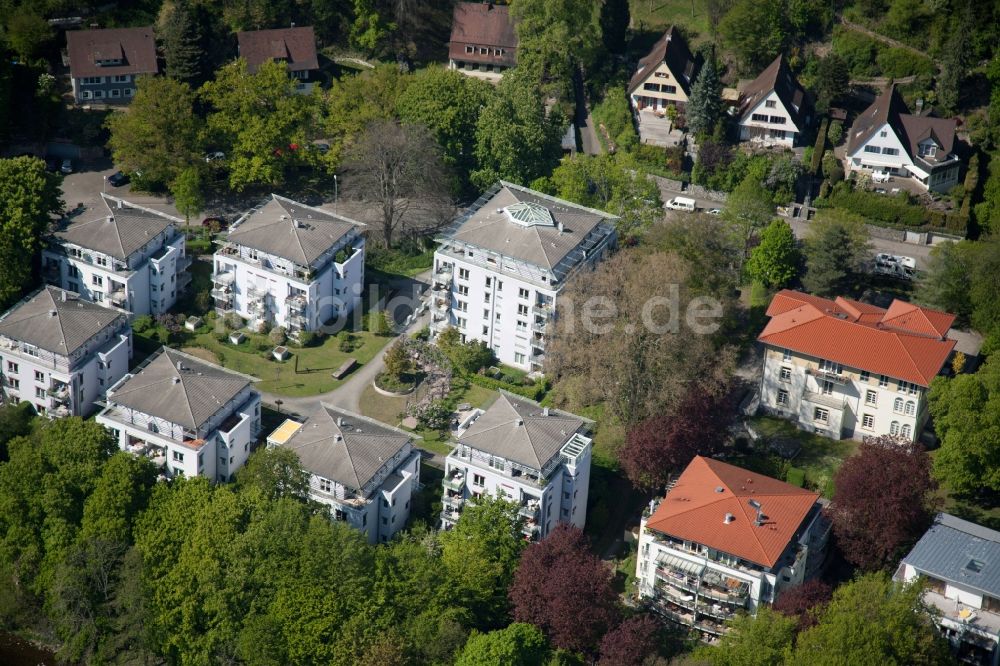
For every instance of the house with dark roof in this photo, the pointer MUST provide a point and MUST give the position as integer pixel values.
(60, 352)
(483, 41)
(535, 456)
(295, 47)
(500, 265)
(104, 64)
(663, 78)
(189, 416)
(290, 265)
(363, 471)
(959, 564)
(725, 540)
(845, 369)
(775, 110)
(122, 254)
(887, 141)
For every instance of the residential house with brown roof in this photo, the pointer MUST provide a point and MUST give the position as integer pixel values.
(845, 369)
(887, 141)
(662, 80)
(723, 541)
(483, 41)
(104, 64)
(295, 47)
(363, 471)
(535, 456)
(775, 109)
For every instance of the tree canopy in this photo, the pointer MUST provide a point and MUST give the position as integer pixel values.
(704, 109)
(554, 36)
(775, 260)
(836, 250)
(517, 644)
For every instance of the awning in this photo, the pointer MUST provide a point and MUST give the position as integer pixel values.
(679, 563)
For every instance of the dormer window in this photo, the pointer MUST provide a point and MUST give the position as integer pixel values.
(927, 149)
(110, 62)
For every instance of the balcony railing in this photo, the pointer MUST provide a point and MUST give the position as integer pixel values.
(531, 530)
(184, 262)
(829, 376)
(831, 400)
(455, 483)
(453, 502)
(530, 511)
(297, 303)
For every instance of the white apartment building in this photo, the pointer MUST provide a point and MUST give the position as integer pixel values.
(290, 265)
(61, 353)
(123, 255)
(887, 141)
(528, 454)
(774, 108)
(959, 562)
(723, 541)
(501, 265)
(364, 471)
(846, 369)
(189, 416)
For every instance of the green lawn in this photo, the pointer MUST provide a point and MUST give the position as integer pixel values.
(658, 15)
(306, 373)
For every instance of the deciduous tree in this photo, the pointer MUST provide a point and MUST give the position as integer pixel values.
(836, 250)
(187, 191)
(27, 32)
(518, 644)
(804, 602)
(748, 209)
(615, 19)
(577, 604)
(832, 79)
(393, 166)
(775, 260)
(706, 244)
(354, 102)
(756, 31)
(631, 642)
(947, 283)
(764, 640)
(871, 534)
(159, 134)
(275, 472)
(554, 35)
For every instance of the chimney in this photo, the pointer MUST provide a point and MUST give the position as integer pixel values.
(518, 423)
(121, 204)
(545, 411)
(180, 366)
(729, 518)
(53, 313)
(293, 24)
(340, 421)
(176, 380)
(110, 219)
(63, 299)
(338, 437)
(559, 226)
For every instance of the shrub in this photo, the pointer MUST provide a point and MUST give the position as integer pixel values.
(142, 324)
(348, 341)
(389, 382)
(836, 132)
(233, 321)
(818, 149)
(262, 345)
(896, 63)
(203, 301)
(615, 114)
(535, 392)
(307, 338)
(221, 336)
(264, 328)
(277, 336)
(434, 416)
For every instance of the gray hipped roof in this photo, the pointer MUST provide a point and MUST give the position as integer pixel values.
(119, 230)
(345, 447)
(179, 388)
(291, 230)
(561, 227)
(517, 429)
(960, 552)
(57, 320)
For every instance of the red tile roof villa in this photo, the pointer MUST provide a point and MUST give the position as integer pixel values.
(709, 505)
(905, 342)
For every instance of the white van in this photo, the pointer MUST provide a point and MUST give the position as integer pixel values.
(681, 203)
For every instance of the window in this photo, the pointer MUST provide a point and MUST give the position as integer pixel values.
(786, 355)
(871, 398)
(91, 80)
(907, 431)
(865, 376)
(883, 381)
(12, 367)
(519, 358)
(883, 134)
(759, 117)
(783, 397)
(894, 428)
(463, 273)
(522, 292)
(478, 479)
(461, 322)
(97, 280)
(927, 150)
(14, 383)
(777, 120)
(463, 290)
(498, 52)
(897, 405)
(831, 367)
(489, 281)
(522, 326)
(910, 408)
(115, 92)
(873, 149)
(39, 392)
(522, 309)
(486, 297)
(827, 387)
(129, 92)
(868, 422)
(325, 485)
(785, 374)
(470, 49)
(770, 104)
(39, 376)
(486, 314)
(820, 415)
(462, 306)
(670, 90)
(98, 94)
(890, 151)
(120, 78)
(653, 87)
(85, 94)
(177, 455)
(486, 330)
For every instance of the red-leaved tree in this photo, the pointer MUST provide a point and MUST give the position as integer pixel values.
(801, 600)
(630, 642)
(882, 501)
(667, 443)
(564, 589)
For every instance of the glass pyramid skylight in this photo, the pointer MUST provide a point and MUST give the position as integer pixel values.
(528, 214)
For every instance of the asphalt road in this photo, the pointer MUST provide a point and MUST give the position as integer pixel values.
(85, 186)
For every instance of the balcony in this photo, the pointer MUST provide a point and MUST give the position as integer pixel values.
(59, 393)
(183, 280)
(51, 272)
(540, 326)
(531, 530)
(831, 400)
(455, 482)
(530, 510)
(297, 303)
(118, 296)
(828, 376)
(224, 279)
(441, 303)
(453, 502)
(184, 263)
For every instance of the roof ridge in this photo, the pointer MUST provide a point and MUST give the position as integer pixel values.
(347, 452)
(294, 226)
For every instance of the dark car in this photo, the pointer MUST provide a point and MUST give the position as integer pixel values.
(214, 220)
(117, 179)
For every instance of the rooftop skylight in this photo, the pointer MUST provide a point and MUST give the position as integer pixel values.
(528, 214)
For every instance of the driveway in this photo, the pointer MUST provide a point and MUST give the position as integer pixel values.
(86, 185)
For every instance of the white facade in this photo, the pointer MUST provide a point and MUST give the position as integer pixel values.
(837, 401)
(701, 587)
(59, 385)
(769, 123)
(215, 450)
(555, 494)
(148, 281)
(884, 154)
(658, 90)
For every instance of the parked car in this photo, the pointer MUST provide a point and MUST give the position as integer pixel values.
(714, 211)
(117, 179)
(681, 203)
(67, 166)
(215, 156)
(52, 164)
(321, 146)
(214, 219)
(895, 265)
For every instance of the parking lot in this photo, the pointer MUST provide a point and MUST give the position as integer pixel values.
(87, 182)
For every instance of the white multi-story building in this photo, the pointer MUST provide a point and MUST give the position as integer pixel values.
(775, 109)
(290, 265)
(364, 471)
(61, 353)
(725, 540)
(501, 265)
(959, 563)
(524, 453)
(887, 141)
(842, 368)
(125, 255)
(192, 418)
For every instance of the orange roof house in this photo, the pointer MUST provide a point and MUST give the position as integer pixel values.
(905, 341)
(710, 505)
